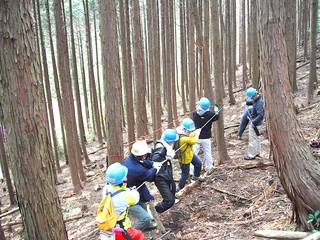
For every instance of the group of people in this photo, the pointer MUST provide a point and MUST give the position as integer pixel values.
(147, 165)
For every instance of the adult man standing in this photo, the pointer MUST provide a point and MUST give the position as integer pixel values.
(140, 171)
(255, 117)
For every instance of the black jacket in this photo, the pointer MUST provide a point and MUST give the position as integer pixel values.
(204, 119)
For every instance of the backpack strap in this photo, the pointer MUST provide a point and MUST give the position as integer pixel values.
(155, 144)
(115, 193)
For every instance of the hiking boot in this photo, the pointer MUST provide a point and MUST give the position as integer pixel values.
(200, 179)
(150, 227)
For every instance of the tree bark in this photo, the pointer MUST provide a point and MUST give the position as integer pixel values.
(296, 167)
(112, 80)
(25, 118)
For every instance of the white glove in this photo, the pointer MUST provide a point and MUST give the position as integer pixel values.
(244, 104)
(197, 131)
(215, 108)
(157, 165)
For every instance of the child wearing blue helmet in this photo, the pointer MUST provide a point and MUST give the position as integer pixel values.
(189, 137)
(122, 199)
(163, 153)
(203, 118)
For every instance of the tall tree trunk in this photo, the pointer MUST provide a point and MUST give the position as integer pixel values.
(305, 27)
(296, 167)
(77, 90)
(184, 53)
(218, 80)
(48, 91)
(172, 62)
(254, 45)
(244, 47)
(139, 71)
(291, 38)
(84, 83)
(190, 85)
(73, 146)
(93, 88)
(56, 81)
(25, 118)
(229, 53)
(313, 81)
(127, 66)
(112, 80)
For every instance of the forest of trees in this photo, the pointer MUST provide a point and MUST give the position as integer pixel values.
(121, 70)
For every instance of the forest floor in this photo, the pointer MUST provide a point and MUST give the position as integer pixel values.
(237, 199)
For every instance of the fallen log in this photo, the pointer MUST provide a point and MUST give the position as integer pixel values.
(187, 189)
(281, 234)
(252, 164)
(314, 236)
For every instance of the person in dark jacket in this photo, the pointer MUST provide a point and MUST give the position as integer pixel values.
(164, 181)
(255, 117)
(140, 171)
(203, 119)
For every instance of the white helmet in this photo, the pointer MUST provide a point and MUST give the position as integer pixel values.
(140, 148)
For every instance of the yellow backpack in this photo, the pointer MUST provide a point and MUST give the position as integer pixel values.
(106, 217)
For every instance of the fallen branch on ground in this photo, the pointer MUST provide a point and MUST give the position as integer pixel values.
(89, 234)
(159, 238)
(9, 212)
(229, 193)
(308, 107)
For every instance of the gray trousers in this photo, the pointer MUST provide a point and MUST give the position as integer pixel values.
(254, 142)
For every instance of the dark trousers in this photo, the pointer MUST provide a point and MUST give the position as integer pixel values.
(167, 190)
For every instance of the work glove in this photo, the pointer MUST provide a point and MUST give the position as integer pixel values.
(244, 104)
(216, 108)
(197, 131)
(157, 165)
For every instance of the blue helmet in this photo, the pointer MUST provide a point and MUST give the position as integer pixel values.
(188, 124)
(251, 92)
(204, 103)
(116, 173)
(170, 135)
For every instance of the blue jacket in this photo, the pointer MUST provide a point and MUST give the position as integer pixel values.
(139, 172)
(257, 112)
